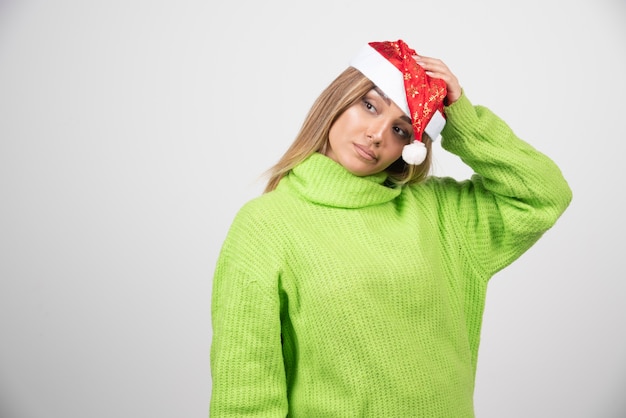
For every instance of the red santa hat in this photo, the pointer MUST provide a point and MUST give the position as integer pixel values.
(392, 68)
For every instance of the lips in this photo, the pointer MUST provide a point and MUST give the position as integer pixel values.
(365, 152)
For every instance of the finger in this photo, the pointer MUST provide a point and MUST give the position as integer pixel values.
(433, 65)
(428, 60)
(436, 68)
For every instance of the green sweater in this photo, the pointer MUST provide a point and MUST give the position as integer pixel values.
(338, 296)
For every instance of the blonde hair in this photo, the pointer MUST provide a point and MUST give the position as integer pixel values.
(349, 87)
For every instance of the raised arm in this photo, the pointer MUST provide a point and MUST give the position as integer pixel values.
(516, 194)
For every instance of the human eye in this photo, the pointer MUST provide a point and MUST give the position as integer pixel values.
(401, 132)
(368, 105)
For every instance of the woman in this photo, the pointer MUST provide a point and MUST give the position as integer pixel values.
(355, 286)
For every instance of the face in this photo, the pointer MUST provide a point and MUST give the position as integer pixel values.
(369, 135)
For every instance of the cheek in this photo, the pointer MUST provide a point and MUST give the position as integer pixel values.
(394, 152)
(346, 124)
(396, 144)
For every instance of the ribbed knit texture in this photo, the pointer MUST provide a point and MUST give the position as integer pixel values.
(337, 296)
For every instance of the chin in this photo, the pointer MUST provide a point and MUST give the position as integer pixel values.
(361, 169)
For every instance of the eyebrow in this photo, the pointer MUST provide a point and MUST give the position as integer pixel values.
(382, 95)
(388, 101)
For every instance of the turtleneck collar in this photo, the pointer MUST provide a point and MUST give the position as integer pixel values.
(321, 180)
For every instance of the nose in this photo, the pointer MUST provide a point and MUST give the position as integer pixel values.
(375, 140)
(375, 132)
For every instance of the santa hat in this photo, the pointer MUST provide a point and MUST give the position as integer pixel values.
(392, 68)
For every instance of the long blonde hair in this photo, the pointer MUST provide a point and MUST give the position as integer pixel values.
(349, 87)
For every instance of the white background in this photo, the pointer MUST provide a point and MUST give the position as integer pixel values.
(131, 131)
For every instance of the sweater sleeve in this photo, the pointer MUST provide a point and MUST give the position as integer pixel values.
(516, 194)
(248, 377)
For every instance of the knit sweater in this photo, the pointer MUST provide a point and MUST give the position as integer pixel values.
(340, 296)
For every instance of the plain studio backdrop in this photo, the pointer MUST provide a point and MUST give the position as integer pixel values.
(132, 131)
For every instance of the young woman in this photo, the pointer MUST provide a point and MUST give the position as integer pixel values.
(355, 286)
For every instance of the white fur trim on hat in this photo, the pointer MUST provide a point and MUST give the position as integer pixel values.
(435, 125)
(414, 153)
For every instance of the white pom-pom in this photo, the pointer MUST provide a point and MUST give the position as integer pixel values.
(414, 153)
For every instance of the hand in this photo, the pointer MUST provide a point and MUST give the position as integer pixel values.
(437, 69)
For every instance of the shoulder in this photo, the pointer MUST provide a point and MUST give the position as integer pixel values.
(265, 214)
(270, 204)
